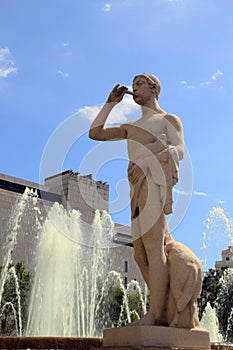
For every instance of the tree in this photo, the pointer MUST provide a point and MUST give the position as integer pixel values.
(224, 305)
(117, 306)
(14, 305)
(210, 289)
(217, 289)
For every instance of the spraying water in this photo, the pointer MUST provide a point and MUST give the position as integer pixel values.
(71, 261)
(70, 293)
(224, 305)
(209, 321)
(218, 234)
(28, 198)
(71, 277)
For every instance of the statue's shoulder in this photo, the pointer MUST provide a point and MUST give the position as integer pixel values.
(174, 120)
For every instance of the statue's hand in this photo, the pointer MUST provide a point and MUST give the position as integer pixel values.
(117, 94)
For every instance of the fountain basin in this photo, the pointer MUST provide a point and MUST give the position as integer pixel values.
(50, 343)
(71, 343)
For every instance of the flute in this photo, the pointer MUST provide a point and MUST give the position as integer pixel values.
(129, 92)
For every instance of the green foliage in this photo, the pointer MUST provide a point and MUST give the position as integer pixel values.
(210, 289)
(224, 303)
(117, 305)
(135, 306)
(217, 289)
(115, 301)
(15, 297)
(132, 307)
(108, 305)
(24, 280)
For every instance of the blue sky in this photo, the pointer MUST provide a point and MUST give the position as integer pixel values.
(60, 59)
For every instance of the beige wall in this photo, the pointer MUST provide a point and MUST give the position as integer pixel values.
(80, 192)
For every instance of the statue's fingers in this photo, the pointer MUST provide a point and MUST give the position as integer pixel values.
(115, 89)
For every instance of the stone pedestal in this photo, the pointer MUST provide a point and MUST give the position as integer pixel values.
(153, 337)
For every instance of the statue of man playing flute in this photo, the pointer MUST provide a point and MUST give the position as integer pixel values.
(155, 146)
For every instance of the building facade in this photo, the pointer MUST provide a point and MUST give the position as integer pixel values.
(227, 259)
(72, 191)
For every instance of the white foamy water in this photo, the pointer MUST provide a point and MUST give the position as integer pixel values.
(209, 321)
(71, 261)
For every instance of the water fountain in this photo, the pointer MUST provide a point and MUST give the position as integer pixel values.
(71, 262)
(209, 321)
(67, 300)
(71, 278)
(28, 199)
(224, 306)
(217, 225)
(218, 233)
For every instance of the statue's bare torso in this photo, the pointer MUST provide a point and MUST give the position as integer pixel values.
(144, 131)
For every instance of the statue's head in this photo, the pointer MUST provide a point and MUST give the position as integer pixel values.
(153, 82)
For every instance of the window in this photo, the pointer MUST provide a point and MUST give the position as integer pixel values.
(227, 258)
(126, 282)
(126, 266)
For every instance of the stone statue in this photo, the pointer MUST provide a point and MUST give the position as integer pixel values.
(155, 147)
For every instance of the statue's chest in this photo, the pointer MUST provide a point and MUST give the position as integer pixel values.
(146, 132)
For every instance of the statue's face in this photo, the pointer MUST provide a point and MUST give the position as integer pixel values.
(141, 89)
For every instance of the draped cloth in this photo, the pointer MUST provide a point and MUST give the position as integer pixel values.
(148, 172)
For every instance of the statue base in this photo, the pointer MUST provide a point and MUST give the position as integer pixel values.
(155, 337)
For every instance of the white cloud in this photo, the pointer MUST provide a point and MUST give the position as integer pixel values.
(4, 54)
(107, 7)
(200, 193)
(184, 82)
(89, 112)
(5, 71)
(220, 201)
(180, 192)
(217, 74)
(66, 48)
(205, 83)
(63, 74)
(213, 79)
(124, 111)
(184, 193)
(7, 64)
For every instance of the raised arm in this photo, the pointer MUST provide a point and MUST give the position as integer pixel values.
(175, 134)
(97, 130)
